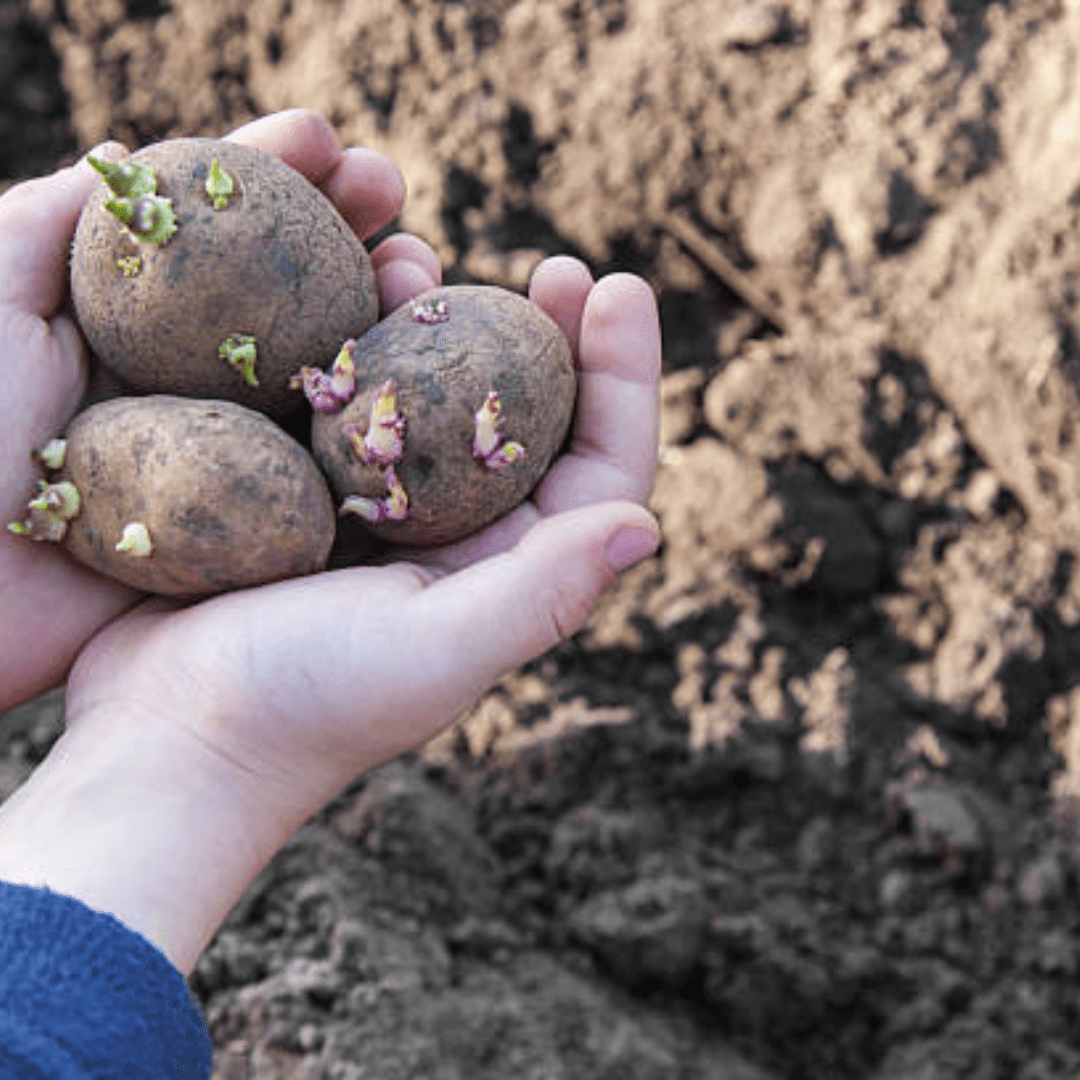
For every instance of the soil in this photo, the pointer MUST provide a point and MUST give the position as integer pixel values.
(801, 800)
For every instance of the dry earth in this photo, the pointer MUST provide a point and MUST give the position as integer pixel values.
(800, 800)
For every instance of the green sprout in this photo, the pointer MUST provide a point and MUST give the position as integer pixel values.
(126, 180)
(137, 205)
(130, 264)
(49, 512)
(52, 454)
(219, 185)
(239, 351)
(135, 541)
(148, 218)
(61, 499)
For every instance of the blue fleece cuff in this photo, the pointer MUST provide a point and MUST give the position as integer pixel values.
(82, 996)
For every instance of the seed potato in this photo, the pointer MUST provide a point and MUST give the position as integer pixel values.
(463, 399)
(200, 496)
(250, 284)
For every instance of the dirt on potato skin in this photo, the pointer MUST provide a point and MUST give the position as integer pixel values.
(801, 799)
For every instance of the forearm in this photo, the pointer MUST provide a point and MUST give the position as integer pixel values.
(161, 833)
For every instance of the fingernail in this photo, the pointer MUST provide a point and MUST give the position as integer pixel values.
(109, 148)
(629, 546)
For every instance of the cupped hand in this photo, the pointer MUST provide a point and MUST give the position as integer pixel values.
(49, 606)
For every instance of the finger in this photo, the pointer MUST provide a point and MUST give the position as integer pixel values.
(408, 248)
(301, 138)
(404, 267)
(515, 606)
(613, 445)
(497, 538)
(37, 222)
(560, 286)
(366, 187)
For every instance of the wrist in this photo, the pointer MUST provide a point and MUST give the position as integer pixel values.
(147, 824)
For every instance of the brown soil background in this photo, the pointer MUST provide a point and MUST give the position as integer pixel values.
(799, 801)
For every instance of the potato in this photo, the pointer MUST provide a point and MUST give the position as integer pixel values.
(463, 399)
(249, 287)
(188, 498)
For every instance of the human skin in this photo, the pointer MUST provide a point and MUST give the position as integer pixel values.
(200, 737)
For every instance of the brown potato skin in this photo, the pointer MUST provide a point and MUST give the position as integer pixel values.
(493, 339)
(228, 498)
(278, 262)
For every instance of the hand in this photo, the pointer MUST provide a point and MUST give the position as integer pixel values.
(49, 606)
(199, 737)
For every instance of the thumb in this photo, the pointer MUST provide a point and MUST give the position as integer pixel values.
(37, 220)
(512, 607)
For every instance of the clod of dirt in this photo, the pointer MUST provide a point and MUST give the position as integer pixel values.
(941, 819)
(648, 934)
(418, 829)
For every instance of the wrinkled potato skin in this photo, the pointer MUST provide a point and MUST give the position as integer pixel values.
(228, 498)
(278, 262)
(493, 339)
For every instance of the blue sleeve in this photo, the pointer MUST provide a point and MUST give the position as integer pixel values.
(82, 997)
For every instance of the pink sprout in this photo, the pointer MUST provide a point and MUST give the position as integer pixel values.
(430, 310)
(328, 391)
(488, 445)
